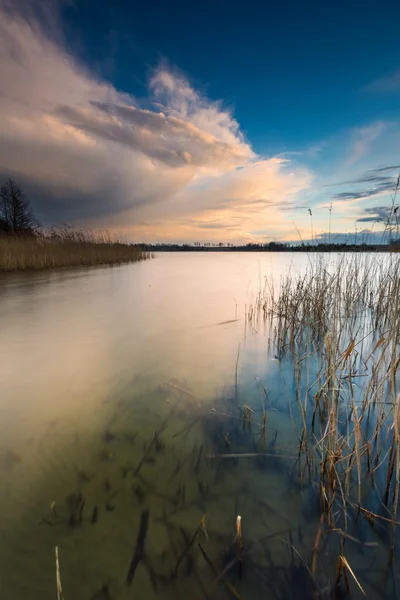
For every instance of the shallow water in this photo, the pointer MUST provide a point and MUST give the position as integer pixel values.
(118, 388)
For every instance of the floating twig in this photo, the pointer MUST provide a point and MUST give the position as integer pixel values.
(251, 455)
(179, 389)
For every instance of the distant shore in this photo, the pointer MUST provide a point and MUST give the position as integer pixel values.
(72, 249)
(34, 254)
(271, 247)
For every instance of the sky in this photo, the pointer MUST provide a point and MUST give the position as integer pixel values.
(204, 121)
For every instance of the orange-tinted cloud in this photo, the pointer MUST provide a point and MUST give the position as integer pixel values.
(87, 153)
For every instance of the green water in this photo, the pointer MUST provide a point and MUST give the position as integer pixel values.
(117, 393)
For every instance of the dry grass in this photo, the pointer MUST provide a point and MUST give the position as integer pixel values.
(341, 327)
(64, 248)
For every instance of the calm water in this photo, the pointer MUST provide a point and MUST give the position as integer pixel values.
(92, 364)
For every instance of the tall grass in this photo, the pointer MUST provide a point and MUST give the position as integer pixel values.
(338, 330)
(65, 247)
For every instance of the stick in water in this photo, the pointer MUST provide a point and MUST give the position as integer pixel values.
(239, 542)
(188, 546)
(60, 595)
(215, 572)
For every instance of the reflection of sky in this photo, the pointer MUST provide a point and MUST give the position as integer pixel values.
(69, 340)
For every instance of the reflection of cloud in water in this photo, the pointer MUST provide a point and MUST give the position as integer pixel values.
(86, 359)
(72, 338)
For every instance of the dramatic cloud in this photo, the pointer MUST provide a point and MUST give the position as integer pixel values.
(173, 166)
(168, 139)
(85, 152)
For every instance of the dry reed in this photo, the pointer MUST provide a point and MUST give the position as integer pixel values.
(64, 247)
(340, 326)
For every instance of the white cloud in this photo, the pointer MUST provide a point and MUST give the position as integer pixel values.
(179, 99)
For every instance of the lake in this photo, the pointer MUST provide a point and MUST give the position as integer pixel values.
(123, 390)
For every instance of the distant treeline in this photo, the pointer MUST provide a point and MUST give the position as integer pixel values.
(272, 247)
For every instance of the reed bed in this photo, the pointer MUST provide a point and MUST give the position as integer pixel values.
(65, 247)
(338, 329)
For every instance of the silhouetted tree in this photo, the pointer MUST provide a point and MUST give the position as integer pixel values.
(15, 212)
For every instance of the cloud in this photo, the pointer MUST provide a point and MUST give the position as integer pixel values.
(389, 168)
(383, 183)
(175, 93)
(376, 213)
(372, 175)
(383, 187)
(388, 83)
(168, 139)
(240, 200)
(86, 152)
(362, 138)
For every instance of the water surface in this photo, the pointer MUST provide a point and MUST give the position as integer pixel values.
(117, 385)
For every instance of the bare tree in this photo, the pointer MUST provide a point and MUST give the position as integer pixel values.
(15, 212)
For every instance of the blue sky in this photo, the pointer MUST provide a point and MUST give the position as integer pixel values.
(248, 115)
(295, 73)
